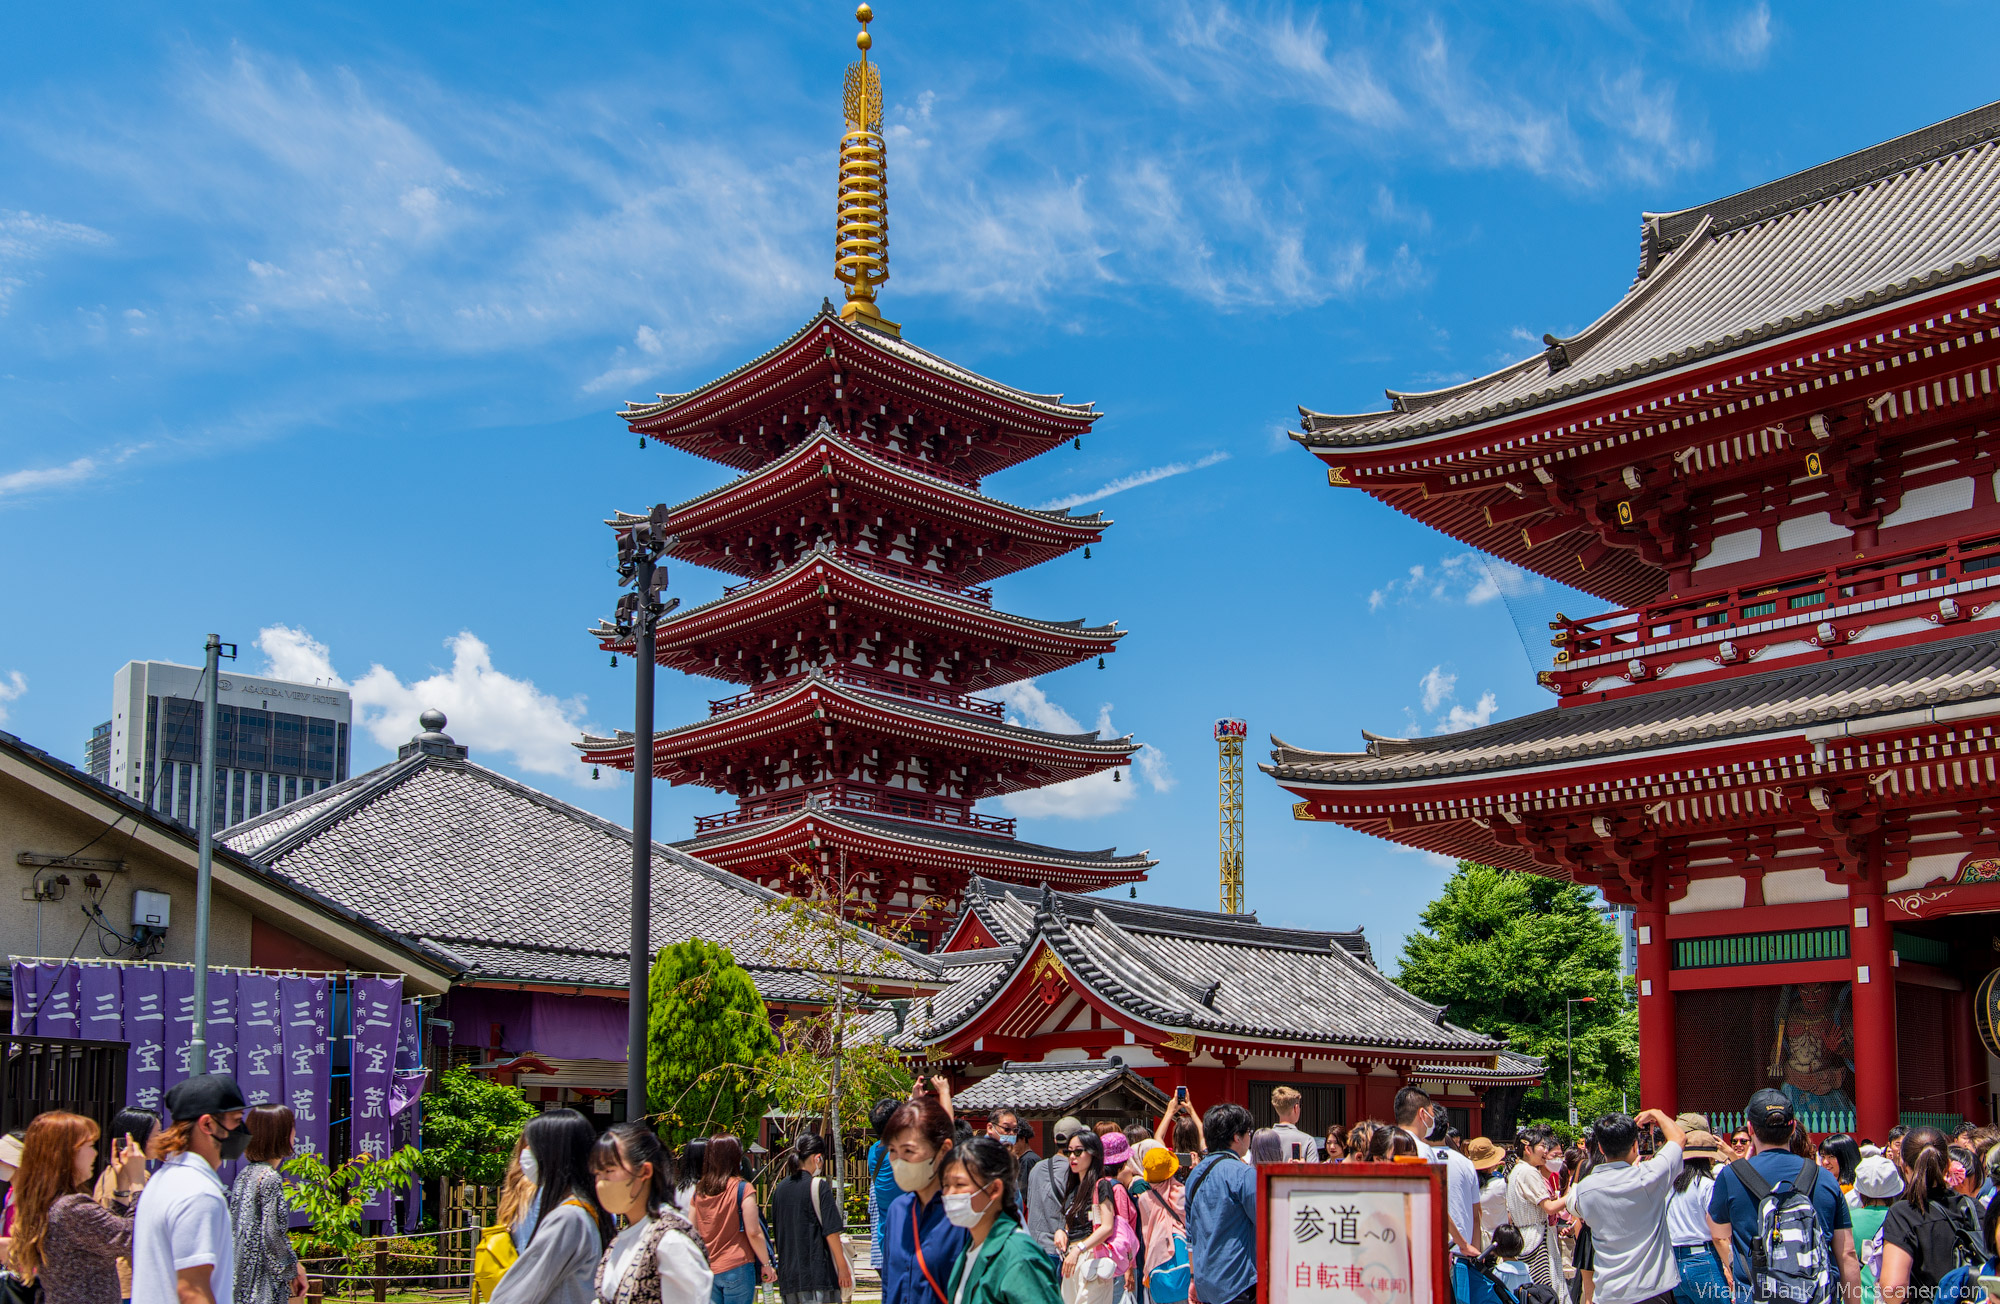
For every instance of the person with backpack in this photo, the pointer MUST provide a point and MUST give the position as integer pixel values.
(1222, 1209)
(1163, 1257)
(657, 1256)
(1879, 1184)
(806, 1219)
(1090, 1220)
(1121, 1167)
(1791, 1234)
(559, 1263)
(1003, 1263)
(725, 1213)
(1931, 1230)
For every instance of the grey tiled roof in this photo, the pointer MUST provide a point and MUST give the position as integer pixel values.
(1508, 1067)
(1896, 219)
(522, 886)
(1052, 1088)
(1945, 673)
(1033, 856)
(1202, 972)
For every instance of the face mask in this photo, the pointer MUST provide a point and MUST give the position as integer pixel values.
(959, 1212)
(913, 1176)
(1439, 1126)
(1005, 1138)
(234, 1142)
(1556, 1164)
(528, 1169)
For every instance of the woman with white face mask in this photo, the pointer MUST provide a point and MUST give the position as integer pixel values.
(920, 1245)
(1004, 1264)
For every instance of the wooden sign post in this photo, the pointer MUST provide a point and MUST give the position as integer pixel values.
(1352, 1234)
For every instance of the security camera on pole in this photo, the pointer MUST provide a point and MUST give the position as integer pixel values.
(639, 611)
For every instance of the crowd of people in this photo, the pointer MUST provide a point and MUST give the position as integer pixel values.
(1643, 1210)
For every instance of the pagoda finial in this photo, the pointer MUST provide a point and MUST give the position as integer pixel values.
(861, 241)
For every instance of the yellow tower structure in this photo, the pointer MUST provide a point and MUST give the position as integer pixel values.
(861, 239)
(1229, 736)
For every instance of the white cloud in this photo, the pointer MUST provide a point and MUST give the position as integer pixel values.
(1149, 476)
(488, 710)
(1464, 577)
(1437, 858)
(12, 685)
(76, 471)
(27, 238)
(1094, 794)
(1748, 39)
(1438, 695)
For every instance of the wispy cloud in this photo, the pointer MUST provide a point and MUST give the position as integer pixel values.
(1094, 794)
(12, 685)
(1464, 577)
(487, 709)
(1437, 694)
(27, 238)
(76, 471)
(1151, 475)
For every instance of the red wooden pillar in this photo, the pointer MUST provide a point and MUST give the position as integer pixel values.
(1659, 1060)
(1876, 1107)
(1358, 1107)
(1232, 1090)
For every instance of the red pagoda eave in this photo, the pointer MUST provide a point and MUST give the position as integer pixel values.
(803, 478)
(822, 591)
(799, 716)
(936, 850)
(797, 380)
(1451, 460)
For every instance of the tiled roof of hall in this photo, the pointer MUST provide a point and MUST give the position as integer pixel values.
(1033, 856)
(1224, 975)
(829, 318)
(1945, 676)
(511, 880)
(808, 451)
(824, 554)
(1052, 1088)
(1888, 222)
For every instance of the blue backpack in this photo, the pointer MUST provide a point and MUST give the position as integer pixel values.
(1169, 1282)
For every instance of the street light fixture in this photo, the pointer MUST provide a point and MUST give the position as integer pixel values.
(1569, 1050)
(638, 615)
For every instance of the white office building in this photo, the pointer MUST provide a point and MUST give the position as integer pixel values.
(275, 741)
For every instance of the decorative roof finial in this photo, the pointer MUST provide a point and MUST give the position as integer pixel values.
(861, 242)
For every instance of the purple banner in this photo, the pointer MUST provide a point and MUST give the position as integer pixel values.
(304, 1005)
(27, 996)
(409, 1044)
(101, 1003)
(221, 1023)
(57, 1014)
(146, 1029)
(178, 985)
(377, 1018)
(260, 1043)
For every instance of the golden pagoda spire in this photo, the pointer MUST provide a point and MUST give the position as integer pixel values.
(861, 243)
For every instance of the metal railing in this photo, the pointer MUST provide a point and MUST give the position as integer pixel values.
(38, 1074)
(915, 690)
(875, 801)
(1777, 609)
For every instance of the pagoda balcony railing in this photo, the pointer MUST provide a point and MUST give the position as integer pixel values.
(921, 466)
(874, 801)
(895, 570)
(1943, 583)
(915, 690)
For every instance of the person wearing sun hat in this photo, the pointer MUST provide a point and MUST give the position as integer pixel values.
(1877, 1185)
(1487, 1161)
(1698, 1252)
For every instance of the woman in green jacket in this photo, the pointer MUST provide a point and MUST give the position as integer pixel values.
(1004, 1264)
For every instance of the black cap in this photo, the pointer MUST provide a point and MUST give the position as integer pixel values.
(211, 1093)
(1768, 1108)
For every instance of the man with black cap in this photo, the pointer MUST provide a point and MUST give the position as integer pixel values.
(1732, 1209)
(182, 1249)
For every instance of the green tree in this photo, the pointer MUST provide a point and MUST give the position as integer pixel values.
(707, 1031)
(334, 1200)
(470, 1126)
(1505, 951)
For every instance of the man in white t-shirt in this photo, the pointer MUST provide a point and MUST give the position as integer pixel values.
(1296, 1145)
(1418, 1115)
(182, 1250)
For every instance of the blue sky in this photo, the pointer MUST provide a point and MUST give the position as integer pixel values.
(313, 319)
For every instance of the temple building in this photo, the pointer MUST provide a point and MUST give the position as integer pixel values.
(1772, 459)
(864, 629)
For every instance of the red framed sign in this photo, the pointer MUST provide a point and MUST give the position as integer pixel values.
(1352, 1234)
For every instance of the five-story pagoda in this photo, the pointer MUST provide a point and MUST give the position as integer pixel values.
(863, 628)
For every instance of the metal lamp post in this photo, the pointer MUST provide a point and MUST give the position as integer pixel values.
(205, 853)
(1569, 1051)
(639, 612)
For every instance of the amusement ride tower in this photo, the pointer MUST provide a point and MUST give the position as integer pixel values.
(863, 628)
